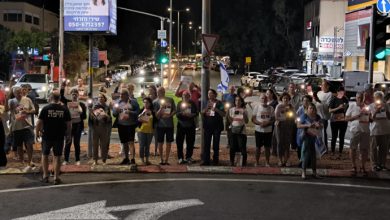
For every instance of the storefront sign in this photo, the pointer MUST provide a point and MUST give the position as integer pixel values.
(326, 44)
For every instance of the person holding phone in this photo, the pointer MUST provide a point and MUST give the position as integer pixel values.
(238, 117)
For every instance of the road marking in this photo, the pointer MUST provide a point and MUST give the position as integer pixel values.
(195, 179)
(98, 210)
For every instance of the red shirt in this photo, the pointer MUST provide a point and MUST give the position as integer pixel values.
(2, 97)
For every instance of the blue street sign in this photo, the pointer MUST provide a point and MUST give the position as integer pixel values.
(383, 6)
(164, 43)
(95, 57)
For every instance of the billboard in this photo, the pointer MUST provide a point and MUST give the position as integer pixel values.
(359, 4)
(90, 16)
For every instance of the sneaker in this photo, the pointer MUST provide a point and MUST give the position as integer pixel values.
(189, 160)
(181, 161)
(132, 161)
(125, 161)
(65, 163)
(104, 164)
(45, 180)
(95, 164)
(57, 181)
(78, 163)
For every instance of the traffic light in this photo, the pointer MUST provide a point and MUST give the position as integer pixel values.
(380, 35)
(161, 56)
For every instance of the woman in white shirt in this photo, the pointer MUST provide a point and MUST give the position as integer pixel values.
(238, 117)
(358, 117)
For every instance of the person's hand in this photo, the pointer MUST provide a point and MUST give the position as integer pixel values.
(341, 106)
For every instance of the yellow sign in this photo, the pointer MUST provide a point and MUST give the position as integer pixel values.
(248, 59)
(360, 4)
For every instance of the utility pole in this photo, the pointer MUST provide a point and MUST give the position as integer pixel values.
(170, 42)
(371, 52)
(61, 43)
(90, 93)
(205, 74)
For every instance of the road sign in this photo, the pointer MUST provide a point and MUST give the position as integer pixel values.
(95, 58)
(164, 43)
(106, 62)
(210, 40)
(161, 34)
(248, 60)
(383, 6)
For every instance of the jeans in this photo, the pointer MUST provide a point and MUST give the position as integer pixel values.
(338, 130)
(308, 155)
(189, 135)
(208, 135)
(100, 138)
(144, 140)
(325, 123)
(379, 149)
(77, 128)
(238, 145)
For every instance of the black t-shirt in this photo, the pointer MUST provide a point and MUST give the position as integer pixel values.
(336, 102)
(54, 117)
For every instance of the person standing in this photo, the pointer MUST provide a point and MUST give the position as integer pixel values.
(78, 113)
(324, 96)
(263, 117)
(295, 103)
(81, 89)
(228, 100)
(284, 113)
(100, 119)
(145, 132)
(306, 100)
(126, 111)
(310, 122)
(186, 127)
(238, 117)
(358, 116)
(54, 123)
(20, 109)
(3, 110)
(165, 110)
(338, 107)
(212, 125)
(380, 131)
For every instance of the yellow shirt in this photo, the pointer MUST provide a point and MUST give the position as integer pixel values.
(147, 127)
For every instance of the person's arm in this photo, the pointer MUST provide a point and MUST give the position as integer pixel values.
(217, 110)
(173, 110)
(179, 113)
(135, 107)
(31, 109)
(246, 116)
(348, 115)
(333, 107)
(39, 128)
(300, 125)
(83, 114)
(178, 92)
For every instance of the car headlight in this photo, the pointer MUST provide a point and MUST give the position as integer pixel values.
(156, 79)
(302, 86)
(166, 66)
(43, 89)
(7, 89)
(142, 79)
(123, 77)
(142, 72)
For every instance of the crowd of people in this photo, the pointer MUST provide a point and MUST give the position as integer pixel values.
(289, 121)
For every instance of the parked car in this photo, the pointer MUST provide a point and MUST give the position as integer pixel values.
(282, 85)
(247, 77)
(41, 83)
(268, 82)
(256, 82)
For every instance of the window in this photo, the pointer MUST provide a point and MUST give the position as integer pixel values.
(12, 17)
(28, 19)
(36, 20)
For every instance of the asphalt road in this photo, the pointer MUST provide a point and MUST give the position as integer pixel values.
(173, 196)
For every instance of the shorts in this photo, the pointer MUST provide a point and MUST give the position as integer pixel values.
(164, 132)
(361, 140)
(263, 139)
(57, 145)
(126, 133)
(25, 136)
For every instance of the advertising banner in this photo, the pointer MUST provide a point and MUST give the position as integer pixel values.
(326, 44)
(90, 16)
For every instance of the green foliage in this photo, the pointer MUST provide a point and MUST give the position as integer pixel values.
(114, 53)
(5, 35)
(75, 54)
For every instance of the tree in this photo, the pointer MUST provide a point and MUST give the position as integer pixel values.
(75, 54)
(114, 54)
(5, 35)
(24, 41)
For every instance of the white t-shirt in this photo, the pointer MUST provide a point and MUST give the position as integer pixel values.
(362, 123)
(325, 98)
(20, 120)
(380, 125)
(237, 114)
(263, 114)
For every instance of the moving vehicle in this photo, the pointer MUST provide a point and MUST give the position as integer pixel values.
(41, 83)
(190, 66)
(149, 78)
(247, 77)
(255, 83)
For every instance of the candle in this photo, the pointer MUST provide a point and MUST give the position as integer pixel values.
(184, 105)
(247, 91)
(378, 102)
(162, 101)
(290, 114)
(227, 105)
(116, 105)
(366, 108)
(89, 101)
(7, 89)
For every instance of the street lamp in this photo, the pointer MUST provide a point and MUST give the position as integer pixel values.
(178, 24)
(195, 35)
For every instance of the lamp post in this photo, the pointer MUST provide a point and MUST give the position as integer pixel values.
(178, 25)
(195, 35)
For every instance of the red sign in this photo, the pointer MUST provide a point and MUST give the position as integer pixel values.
(103, 55)
(106, 62)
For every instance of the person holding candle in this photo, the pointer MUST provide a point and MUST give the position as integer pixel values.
(337, 107)
(78, 113)
(147, 118)
(380, 131)
(228, 101)
(186, 127)
(284, 120)
(358, 117)
(165, 110)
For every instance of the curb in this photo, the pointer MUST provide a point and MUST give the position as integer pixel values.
(199, 169)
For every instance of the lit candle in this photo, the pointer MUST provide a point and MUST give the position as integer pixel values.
(378, 102)
(116, 105)
(302, 86)
(383, 86)
(184, 105)
(89, 101)
(227, 105)
(298, 119)
(162, 101)
(7, 89)
(366, 108)
(247, 91)
(290, 114)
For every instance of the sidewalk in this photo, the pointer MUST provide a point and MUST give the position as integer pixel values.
(326, 166)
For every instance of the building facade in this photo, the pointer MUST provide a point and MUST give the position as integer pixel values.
(323, 40)
(18, 16)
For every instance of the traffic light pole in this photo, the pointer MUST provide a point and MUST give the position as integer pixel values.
(371, 52)
(161, 64)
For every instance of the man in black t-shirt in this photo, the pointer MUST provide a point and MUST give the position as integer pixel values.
(53, 125)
